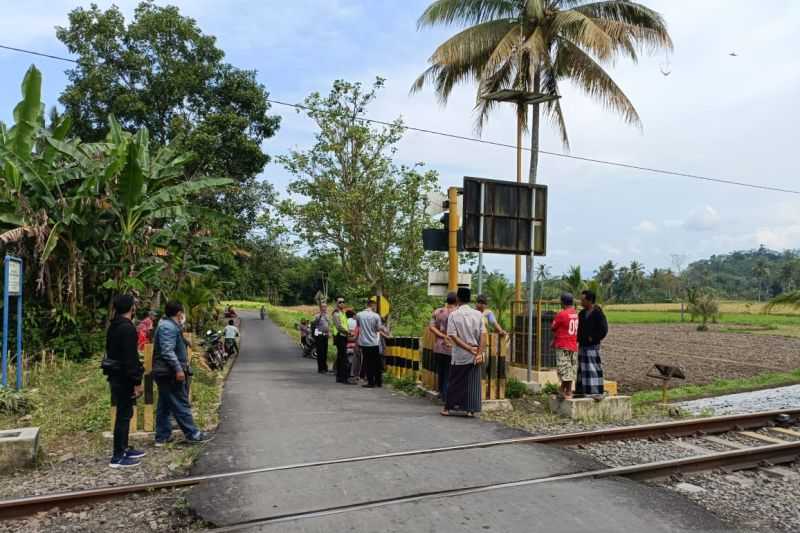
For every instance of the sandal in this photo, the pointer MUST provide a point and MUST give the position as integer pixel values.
(444, 412)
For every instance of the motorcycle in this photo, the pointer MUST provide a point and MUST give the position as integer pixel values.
(214, 349)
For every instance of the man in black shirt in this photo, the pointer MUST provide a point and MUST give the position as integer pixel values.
(592, 329)
(124, 371)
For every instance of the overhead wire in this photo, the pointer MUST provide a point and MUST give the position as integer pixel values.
(630, 166)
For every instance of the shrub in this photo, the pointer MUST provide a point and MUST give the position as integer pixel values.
(550, 388)
(14, 402)
(515, 388)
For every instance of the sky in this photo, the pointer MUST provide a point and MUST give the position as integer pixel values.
(715, 115)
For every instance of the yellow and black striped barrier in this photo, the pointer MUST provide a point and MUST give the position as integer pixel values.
(413, 357)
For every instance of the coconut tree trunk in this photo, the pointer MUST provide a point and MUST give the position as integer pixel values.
(534, 167)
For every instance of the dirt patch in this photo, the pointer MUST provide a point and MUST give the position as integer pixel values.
(631, 350)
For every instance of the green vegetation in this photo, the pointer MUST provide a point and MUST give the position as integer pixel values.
(287, 319)
(406, 385)
(70, 402)
(719, 387)
(515, 388)
(674, 317)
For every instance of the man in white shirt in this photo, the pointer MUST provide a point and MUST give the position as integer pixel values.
(369, 326)
(231, 333)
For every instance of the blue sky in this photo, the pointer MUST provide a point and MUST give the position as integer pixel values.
(717, 115)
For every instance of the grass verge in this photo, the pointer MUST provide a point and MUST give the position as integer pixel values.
(718, 388)
(70, 403)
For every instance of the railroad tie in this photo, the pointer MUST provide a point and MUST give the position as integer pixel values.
(762, 438)
(724, 442)
(790, 432)
(692, 447)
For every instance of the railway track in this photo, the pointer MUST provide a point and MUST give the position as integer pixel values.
(780, 445)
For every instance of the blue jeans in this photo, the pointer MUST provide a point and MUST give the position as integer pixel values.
(173, 400)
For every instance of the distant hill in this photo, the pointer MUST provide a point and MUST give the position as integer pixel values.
(753, 274)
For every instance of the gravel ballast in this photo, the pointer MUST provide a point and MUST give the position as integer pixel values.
(746, 402)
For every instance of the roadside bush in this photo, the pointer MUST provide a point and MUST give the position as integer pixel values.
(550, 388)
(515, 388)
(15, 402)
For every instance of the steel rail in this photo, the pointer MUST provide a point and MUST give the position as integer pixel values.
(28, 505)
(736, 459)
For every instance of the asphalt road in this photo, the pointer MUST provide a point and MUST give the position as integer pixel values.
(277, 410)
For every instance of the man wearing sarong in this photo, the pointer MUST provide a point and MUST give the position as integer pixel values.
(468, 337)
(592, 329)
(441, 347)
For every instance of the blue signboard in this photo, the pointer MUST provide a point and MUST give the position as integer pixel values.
(12, 286)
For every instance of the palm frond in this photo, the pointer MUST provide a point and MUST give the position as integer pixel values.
(576, 65)
(462, 57)
(466, 12)
(583, 31)
(648, 22)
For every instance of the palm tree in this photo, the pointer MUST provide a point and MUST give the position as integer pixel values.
(542, 275)
(573, 281)
(535, 44)
(500, 293)
(605, 274)
(761, 272)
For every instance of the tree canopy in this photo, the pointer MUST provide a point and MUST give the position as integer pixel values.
(352, 199)
(161, 72)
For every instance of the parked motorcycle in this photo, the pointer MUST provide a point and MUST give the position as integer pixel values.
(214, 349)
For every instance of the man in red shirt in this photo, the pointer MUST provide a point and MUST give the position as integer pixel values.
(565, 341)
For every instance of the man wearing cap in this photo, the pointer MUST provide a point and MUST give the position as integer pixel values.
(468, 336)
(442, 347)
(369, 327)
(565, 342)
(340, 331)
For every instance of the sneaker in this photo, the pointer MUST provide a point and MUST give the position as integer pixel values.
(123, 462)
(161, 443)
(200, 438)
(134, 454)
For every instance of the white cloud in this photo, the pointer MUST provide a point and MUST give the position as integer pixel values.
(704, 219)
(646, 226)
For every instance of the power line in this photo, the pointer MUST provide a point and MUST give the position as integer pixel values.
(568, 156)
(630, 166)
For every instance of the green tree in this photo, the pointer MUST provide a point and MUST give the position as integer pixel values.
(761, 273)
(703, 303)
(354, 200)
(501, 294)
(535, 44)
(605, 274)
(162, 73)
(573, 281)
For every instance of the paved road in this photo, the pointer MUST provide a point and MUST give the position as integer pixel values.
(277, 410)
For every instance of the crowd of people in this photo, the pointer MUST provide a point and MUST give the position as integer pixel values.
(171, 372)
(460, 346)
(359, 339)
